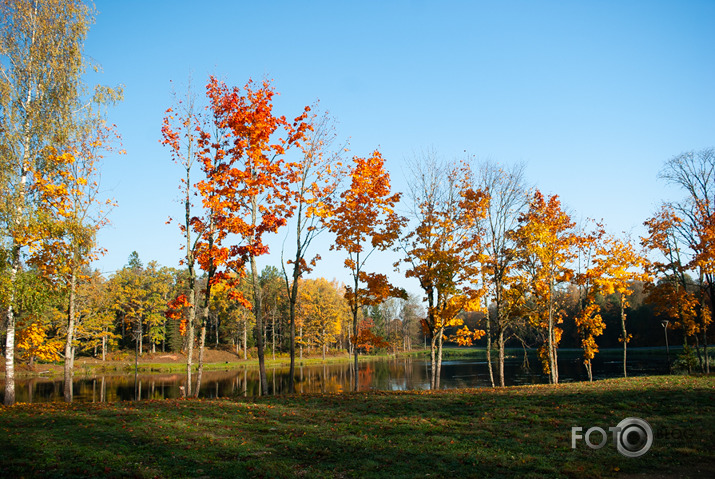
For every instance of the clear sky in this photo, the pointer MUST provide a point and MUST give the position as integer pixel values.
(592, 96)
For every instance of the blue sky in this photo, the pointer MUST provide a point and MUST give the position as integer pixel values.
(592, 96)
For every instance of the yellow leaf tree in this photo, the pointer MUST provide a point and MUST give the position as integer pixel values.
(443, 252)
(41, 68)
(546, 246)
(588, 319)
(322, 309)
(34, 344)
(618, 265)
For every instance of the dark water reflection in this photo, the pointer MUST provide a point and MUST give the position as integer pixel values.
(403, 373)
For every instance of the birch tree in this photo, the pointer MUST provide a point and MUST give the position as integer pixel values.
(41, 65)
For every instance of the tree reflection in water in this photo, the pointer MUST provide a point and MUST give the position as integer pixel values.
(398, 374)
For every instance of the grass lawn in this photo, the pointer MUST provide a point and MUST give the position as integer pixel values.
(509, 432)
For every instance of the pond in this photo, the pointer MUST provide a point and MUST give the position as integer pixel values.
(396, 374)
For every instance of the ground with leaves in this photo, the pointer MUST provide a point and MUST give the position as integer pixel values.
(512, 432)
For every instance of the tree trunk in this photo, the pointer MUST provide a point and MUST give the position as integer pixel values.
(291, 374)
(500, 345)
(258, 331)
(624, 336)
(273, 334)
(355, 349)
(489, 349)
(433, 361)
(245, 338)
(202, 343)
(69, 350)
(10, 332)
(140, 336)
(355, 310)
(551, 342)
(440, 337)
(555, 359)
(190, 334)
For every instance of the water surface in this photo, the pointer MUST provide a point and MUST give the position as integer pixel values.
(397, 374)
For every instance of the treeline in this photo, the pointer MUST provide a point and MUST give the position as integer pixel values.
(136, 309)
(481, 240)
(476, 237)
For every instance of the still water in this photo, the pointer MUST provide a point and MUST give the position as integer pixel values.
(404, 373)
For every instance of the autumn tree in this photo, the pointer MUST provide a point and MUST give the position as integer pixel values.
(73, 210)
(180, 133)
(34, 343)
(444, 249)
(41, 68)
(248, 179)
(367, 339)
(37, 301)
(364, 220)
(545, 243)
(672, 291)
(235, 316)
(694, 173)
(140, 297)
(318, 176)
(95, 317)
(323, 308)
(508, 198)
(411, 315)
(618, 265)
(588, 319)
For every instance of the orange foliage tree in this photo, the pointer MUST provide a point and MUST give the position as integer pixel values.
(366, 339)
(545, 242)
(672, 293)
(364, 220)
(248, 182)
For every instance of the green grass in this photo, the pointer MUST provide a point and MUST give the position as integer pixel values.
(507, 432)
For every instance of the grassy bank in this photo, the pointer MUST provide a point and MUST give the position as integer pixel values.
(154, 364)
(511, 432)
